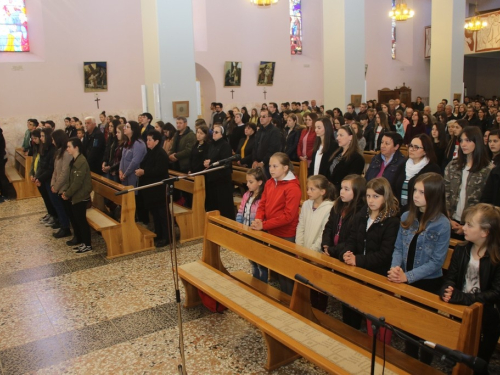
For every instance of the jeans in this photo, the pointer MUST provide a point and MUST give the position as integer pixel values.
(58, 206)
(286, 284)
(259, 272)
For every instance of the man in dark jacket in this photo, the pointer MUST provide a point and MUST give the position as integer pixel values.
(268, 141)
(390, 162)
(220, 115)
(183, 142)
(93, 145)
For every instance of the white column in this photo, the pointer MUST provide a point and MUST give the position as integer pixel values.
(169, 55)
(343, 51)
(447, 50)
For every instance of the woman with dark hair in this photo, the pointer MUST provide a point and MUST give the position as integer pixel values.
(438, 134)
(59, 182)
(381, 126)
(169, 132)
(421, 159)
(496, 122)
(465, 177)
(482, 121)
(122, 120)
(462, 111)
(346, 159)
(111, 145)
(199, 152)
(324, 146)
(154, 168)
(218, 184)
(400, 123)
(422, 243)
(337, 112)
(427, 123)
(245, 147)
(114, 163)
(43, 175)
(358, 131)
(415, 128)
(246, 117)
(292, 136)
(78, 193)
(133, 153)
(307, 138)
(454, 130)
(337, 122)
(104, 122)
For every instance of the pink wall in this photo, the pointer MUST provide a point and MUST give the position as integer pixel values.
(50, 84)
(240, 31)
(409, 66)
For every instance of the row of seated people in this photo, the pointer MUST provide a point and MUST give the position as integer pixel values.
(365, 227)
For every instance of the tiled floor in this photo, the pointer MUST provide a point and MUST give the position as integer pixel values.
(64, 313)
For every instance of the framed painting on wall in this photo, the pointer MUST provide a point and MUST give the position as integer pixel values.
(232, 74)
(95, 76)
(181, 108)
(266, 73)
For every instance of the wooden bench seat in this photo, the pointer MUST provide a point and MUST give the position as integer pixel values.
(122, 237)
(19, 176)
(410, 309)
(191, 221)
(288, 335)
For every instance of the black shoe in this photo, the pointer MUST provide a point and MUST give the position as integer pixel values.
(56, 225)
(74, 241)
(62, 233)
(161, 243)
(84, 249)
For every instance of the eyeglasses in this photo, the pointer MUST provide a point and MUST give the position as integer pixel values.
(415, 147)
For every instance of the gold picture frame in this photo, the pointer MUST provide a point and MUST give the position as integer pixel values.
(181, 108)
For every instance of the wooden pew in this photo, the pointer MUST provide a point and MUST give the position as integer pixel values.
(124, 237)
(191, 221)
(368, 156)
(19, 176)
(403, 306)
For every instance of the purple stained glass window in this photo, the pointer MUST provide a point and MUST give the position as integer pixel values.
(393, 36)
(295, 27)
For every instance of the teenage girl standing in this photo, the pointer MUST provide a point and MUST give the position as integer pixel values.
(256, 179)
(278, 211)
(474, 272)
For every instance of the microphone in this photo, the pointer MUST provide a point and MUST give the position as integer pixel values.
(302, 279)
(225, 161)
(475, 363)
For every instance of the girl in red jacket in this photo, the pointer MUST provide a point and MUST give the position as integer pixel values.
(307, 138)
(278, 211)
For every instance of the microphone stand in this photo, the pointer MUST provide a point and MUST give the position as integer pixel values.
(169, 183)
(380, 322)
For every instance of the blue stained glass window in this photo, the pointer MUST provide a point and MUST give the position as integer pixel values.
(13, 26)
(295, 27)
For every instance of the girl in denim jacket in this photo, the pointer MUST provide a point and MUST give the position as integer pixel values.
(256, 179)
(422, 243)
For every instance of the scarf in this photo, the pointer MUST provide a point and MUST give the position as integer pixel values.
(412, 169)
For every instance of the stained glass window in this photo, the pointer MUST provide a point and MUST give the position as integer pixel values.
(13, 26)
(393, 48)
(295, 27)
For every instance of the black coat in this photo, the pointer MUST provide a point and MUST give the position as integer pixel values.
(155, 165)
(400, 179)
(198, 156)
(324, 165)
(331, 229)
(94, 145)
(46, 164)
(218, 184)
(373, 248)
(236, 135)
(109, 152)
(248, 159)
(489, 283)
(369, 137)
(491, 192)
(144, 134)
(291, 142)
(268, 141)
(354, 165)
(219, 117)
(395, 167)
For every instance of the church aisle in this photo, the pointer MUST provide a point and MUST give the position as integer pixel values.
(64, 313)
